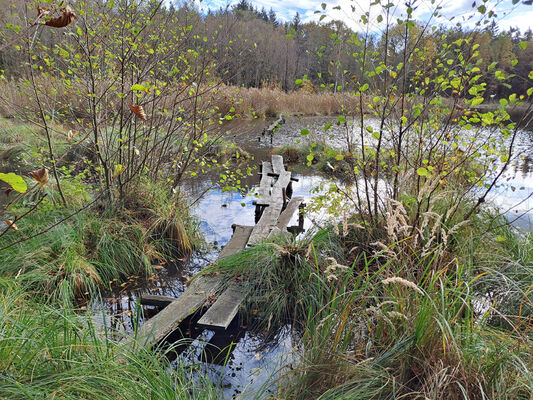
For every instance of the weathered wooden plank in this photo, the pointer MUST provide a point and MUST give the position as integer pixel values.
(259, 233)
(287, 214)
(156, 300)
(277, 164)
(237, 242)
(278, 122)
(265, 186)
(266, 169)
(276, 232)
(280, 185)
(157, 328)
(222, 312)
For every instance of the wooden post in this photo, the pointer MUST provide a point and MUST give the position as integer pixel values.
(301, 216)
(289, 190)
(284, 193)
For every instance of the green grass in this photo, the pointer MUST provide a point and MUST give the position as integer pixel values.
(84, 254)
(50, 353)
(429, 332)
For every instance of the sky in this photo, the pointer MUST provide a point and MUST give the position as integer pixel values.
(460, 11)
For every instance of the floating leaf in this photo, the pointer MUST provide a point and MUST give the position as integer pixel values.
(66, 18)
(138, 111)
(15, 181)
(41, 176)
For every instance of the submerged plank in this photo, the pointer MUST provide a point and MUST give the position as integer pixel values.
(222, 312)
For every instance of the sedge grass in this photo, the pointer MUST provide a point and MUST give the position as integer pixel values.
(50, 353)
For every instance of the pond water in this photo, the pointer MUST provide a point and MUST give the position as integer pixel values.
(253, 362)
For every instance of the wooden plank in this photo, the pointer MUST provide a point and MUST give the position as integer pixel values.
(222, 312)
(277, 164)
(156, 300)
(265, 186)
(266, 169)
(286, 215)
(276, 232)
(237, 242)
(259, 233)
(157, 328)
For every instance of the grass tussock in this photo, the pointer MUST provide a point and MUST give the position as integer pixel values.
(381, 320)
(65, 355)
(92, 250)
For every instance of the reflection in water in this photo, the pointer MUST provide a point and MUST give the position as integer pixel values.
(514, 196)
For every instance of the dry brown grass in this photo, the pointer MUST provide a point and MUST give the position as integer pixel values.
(273, 101)
(268, 101)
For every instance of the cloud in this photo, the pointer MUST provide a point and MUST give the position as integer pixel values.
(453, 11)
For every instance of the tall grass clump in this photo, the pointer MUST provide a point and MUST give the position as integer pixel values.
(50, 353)
(87, 252)
(388, 320)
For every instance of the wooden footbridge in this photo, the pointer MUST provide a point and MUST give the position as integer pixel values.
(274, 211)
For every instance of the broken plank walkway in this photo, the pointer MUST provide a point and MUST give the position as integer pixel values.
(274, 213)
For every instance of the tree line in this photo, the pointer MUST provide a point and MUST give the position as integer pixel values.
(252, 47)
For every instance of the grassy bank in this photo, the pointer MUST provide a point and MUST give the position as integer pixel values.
(384, 320)
(57, 257)
(46, 352)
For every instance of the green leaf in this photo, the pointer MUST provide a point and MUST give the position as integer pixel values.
(339, 157)
(422, 172)
(482, 9)
(138, 88)
(477, 100)
(522, 45)
(298, 81)
(503, 102)
(304, 132)
(15, 181)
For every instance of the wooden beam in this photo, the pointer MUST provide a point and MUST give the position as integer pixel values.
(286, 216)
(222, 312)
(155, 300)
